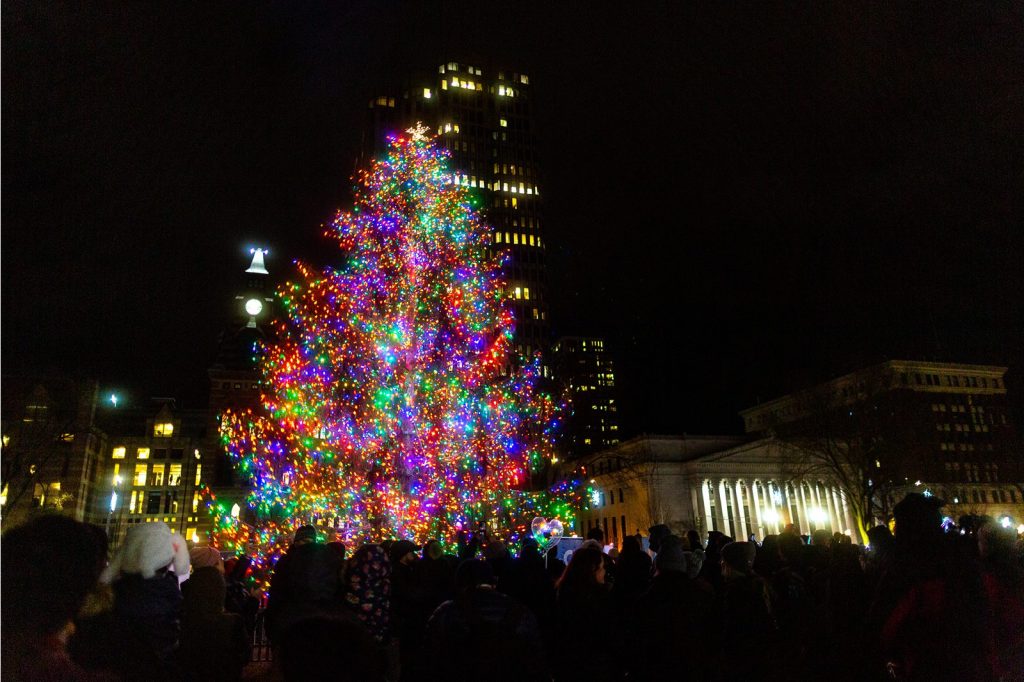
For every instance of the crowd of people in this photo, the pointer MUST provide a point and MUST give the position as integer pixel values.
(921, 603)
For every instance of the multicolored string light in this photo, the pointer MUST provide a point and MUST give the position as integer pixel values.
(388, 407)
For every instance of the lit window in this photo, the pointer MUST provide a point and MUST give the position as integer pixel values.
(195, 502)
(503, 123)
(456, 127)
(199, 471)
(501, 90)
(519, 292)
(174, 475)
(119, 452)
(115, 479)
(426, 93)
(515, 238)
(140, 475)
(166, 429)
(524, 79)
(142, 453)
(158, 475)
(135, 499)
(444, 85)
(526, 293)
(531, 240)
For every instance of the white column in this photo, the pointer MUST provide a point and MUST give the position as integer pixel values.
(706, 498)
(723, 508)
(804, 517)
(742, 532)
(756, 501)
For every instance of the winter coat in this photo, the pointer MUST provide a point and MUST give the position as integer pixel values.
(306, 582)
(214, 644)
(673, 630)
(491, 635)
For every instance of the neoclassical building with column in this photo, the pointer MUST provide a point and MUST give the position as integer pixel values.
(728, 484)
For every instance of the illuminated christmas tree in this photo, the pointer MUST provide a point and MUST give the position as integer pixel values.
(386, 412)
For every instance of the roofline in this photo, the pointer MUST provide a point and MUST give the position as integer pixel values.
(993, 370)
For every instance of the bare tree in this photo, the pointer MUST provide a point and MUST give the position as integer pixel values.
(38, 435)
(856, 436)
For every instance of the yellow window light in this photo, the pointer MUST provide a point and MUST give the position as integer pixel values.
(119, 452)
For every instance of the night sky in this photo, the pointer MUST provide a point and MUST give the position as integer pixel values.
(742, 199)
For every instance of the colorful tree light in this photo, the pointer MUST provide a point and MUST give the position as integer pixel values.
(391, 406)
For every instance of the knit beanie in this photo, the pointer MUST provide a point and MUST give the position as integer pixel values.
(206, 556)
(147, 548)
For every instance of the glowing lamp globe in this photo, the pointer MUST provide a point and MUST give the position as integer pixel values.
(253, 306)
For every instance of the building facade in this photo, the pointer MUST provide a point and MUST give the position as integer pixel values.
(51, 447)
(483, 118)
(156, 465)
(707, 483)
(949, 423)
(584, 371)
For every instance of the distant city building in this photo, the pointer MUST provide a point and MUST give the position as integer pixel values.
(484, 118)
(234, 376)
(154, 471)
(51, 447)
(943, 430)
(583, 369)
(951, 423)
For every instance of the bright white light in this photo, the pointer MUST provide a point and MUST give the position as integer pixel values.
(253, 306)
(771, 516)
(817, 515)
(113, 501)
(195, 537)
(1005, 522)
(235, 511)
(113, 399)
(595, 498)
(258, 265)
(1020, 529)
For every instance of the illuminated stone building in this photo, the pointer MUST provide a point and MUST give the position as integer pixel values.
(949, 431)
(155, 465)
(583, 369)
(51, 447)
(484, 119)
(952, 423)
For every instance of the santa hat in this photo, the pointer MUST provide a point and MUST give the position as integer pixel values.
(147, 548)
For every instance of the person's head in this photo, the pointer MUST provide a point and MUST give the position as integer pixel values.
(693, 537)
(240, 567)
(918, 519)
(149, 550)
(49, 565)
(672, 557)
(596, 533)
(631, 545)
(205, 593)
(738, 558)
(433, 550)
(821, 538)
(473, 573)
(655, 535)
(330, 647)
(585, 570)
(338, 548)
(791, 548)
(202, 557)
(995, 543)
(403, 552)
(529, 549)
(880, 538)
(305, 535)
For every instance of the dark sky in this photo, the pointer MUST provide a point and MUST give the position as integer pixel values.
(741, 198)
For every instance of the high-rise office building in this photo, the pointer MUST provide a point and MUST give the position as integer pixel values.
(583, 369)
(483, 118)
